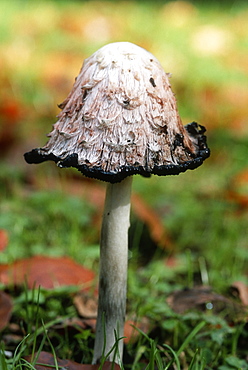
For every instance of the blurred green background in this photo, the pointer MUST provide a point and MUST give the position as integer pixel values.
(204, 45)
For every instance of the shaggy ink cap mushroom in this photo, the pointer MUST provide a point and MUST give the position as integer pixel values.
(121, 119)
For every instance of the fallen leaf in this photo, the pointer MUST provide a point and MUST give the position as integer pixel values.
(4, 239)
(146, 214)
(86, 305)
(87, 308)
(45, 361)
(13, 336)
(76, 322)
(131, 333)
(5, 309)
(242, 290)
(12, 340)
(48, 272)
(202, 298)
(130, 327)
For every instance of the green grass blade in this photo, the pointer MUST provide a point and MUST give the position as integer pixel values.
(3, 364)
(175, 355)
(52, 348)
(193, 360)
(190, 336)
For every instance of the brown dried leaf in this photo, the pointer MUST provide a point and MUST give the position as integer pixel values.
(202, 298)
(48, 272)
(76, 324)
(86, 306)
(13, 336)
(46, 361)
(242, 290)
(5, 309)
(130, 331)
(146, 214)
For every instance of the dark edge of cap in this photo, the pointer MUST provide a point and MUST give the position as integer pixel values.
(38, 156)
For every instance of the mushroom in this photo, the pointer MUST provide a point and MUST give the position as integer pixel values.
(120, 119)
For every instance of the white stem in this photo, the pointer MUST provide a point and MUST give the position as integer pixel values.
(113, 270)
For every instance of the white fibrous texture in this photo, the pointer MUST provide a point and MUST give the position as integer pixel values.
(121, 113)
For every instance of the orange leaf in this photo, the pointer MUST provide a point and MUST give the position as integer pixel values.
(131, 333)
(4, 239)
(10, 111)
(146, 214)
(48, 272)
(46, 361)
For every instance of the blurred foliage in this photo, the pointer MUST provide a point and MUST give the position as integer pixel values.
(43, 44)
(205, 212)
(204, 46)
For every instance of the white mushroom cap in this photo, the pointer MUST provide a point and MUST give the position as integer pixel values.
(121, 119)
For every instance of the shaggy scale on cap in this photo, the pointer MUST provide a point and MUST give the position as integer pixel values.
(121, 119)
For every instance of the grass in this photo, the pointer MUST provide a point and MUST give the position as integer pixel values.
(199, 340)
(208, 228)
(148, 351)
